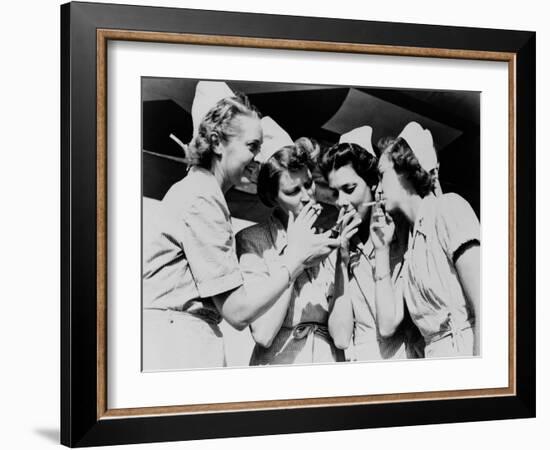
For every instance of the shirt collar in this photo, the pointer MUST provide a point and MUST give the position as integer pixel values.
(424, 212)
(367, 248)
(205, 176)
(363, 249)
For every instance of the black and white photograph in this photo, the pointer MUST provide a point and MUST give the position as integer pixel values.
(287, 224)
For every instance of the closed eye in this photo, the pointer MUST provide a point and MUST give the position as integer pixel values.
(349, 188)
(292, 192)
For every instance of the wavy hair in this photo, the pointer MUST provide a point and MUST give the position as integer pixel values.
(293, 158)
(218, 121)
(340, 155)
(406, 164)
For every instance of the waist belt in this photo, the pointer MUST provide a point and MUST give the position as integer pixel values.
(303, 330)
(449, 329)
(201, 310)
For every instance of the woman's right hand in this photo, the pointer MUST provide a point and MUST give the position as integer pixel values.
(304, 246)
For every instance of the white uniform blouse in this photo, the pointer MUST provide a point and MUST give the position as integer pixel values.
(433, 292)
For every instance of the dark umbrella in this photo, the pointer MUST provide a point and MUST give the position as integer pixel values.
(323, 113)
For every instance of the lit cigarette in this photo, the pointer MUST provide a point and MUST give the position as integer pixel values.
(317, 207)
(373, 203)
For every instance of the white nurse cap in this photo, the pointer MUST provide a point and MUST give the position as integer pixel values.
(275, 138)
(361, 136)
(207, 94)
(421, 142)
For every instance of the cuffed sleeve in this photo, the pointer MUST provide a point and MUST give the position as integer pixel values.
(457, 224)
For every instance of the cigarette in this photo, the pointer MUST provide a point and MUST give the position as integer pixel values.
(373, 203)
(317, 207)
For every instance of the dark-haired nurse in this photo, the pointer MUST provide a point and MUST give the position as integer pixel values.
(442, 286)
(350, 168)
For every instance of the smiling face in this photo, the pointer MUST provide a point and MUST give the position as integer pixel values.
(238, 152)
(296, 189)
(350, 190)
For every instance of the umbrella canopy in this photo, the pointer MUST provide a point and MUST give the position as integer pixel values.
(320, 112)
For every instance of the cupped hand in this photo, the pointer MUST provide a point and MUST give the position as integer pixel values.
(382, 229)
(303, 244)
(318, 248)
(348, 223)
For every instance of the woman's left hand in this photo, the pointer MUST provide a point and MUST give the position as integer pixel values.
(382, 229)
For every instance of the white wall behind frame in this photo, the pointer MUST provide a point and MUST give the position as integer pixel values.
(29, 174)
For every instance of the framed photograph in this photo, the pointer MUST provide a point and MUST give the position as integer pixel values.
(279, 224)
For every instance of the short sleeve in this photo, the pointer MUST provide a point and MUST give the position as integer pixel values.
(251, 255)
(209, 246)
(456, 224)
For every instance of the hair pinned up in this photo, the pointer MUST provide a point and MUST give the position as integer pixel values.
(293, 158)
(310, 145)
(219, 121)
(362, 161)
(405, 163)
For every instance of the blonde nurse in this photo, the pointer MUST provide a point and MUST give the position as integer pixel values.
(191, 275)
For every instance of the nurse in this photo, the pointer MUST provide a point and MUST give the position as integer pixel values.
(350, 168)
(294, 330)
(191, 276)
(442, 287)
